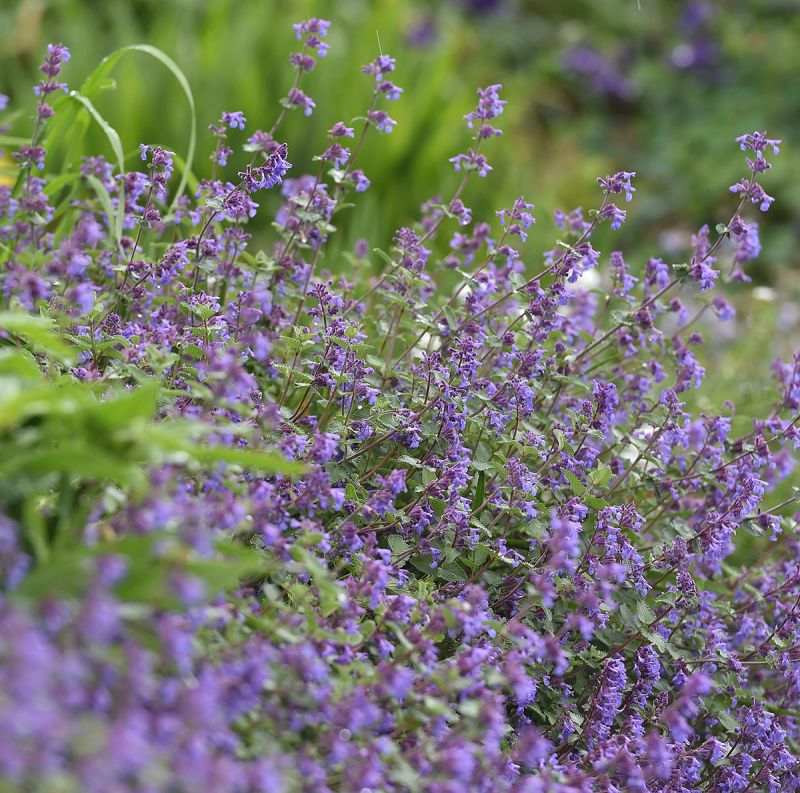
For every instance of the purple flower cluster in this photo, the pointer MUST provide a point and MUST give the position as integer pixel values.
(379, 68)
(268, 525)
(489, 107)
(748, 187)
(311, 33)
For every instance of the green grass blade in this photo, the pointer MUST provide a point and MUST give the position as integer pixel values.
(188, 159)
(13, 140)
(98, 80)
(116, 219)
(108, 130)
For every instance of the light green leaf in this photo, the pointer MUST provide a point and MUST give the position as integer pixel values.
(645, 613)
(398, 544)
(578, 488)
(40, 332)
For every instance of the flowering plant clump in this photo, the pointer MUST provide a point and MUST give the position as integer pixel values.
(269, 528)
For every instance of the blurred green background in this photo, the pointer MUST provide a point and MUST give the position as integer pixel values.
(593, 86)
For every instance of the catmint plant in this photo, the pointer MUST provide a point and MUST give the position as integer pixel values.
(271, 522)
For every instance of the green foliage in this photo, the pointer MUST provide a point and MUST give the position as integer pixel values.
(67, 445)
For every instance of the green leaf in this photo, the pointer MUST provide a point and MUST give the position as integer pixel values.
(71, 570)
(452, 572)
(40, 332)
(645, 614)
(20, 364)
(269, 461)
(795, 714)
(385, 256)
(398, 545)
(594, 502)
(223, 574)
(655, 639)
(147, 573)
(480, 491)
(578, 488)
(172, 437)
(727, 721)
(75, 459)
(751, 527)
(601, 475)
(438, 506)
(330, 593)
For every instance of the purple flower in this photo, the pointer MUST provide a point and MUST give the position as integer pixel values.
(32, 155)
(461, 211)
(564, 542)
(685, 707)
(234, 120)
(266, 176)
(360, 179)
(472, 161)
(311, 32)
(220, 155)
(619, 182)
(57, 56)
(381, 120)
(381, 66)
(615, 214)
(336, 154)
(746, 239)
(723, 309)
(389, 90)
(340, 130)
(313, 26)
(489, 106)
(753, 191)
(302, 61)
(297, 98)
(518, 218)
(704, 275)
(758, 142)
(608, 700)
(260, 141)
